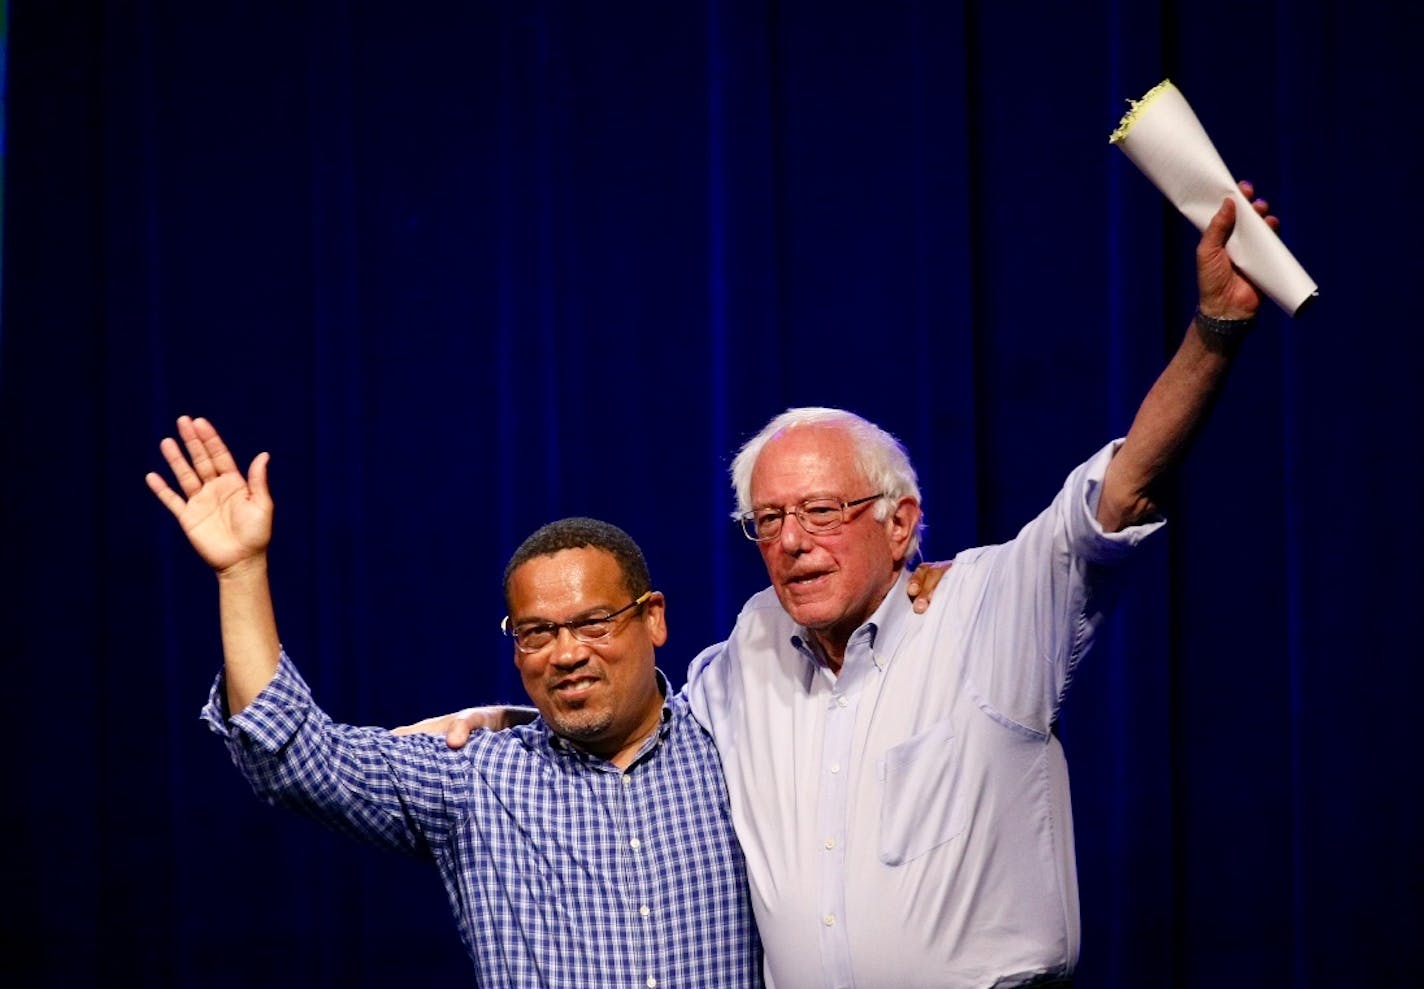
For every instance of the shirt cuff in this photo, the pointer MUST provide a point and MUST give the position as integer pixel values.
(1084, 487)
(272, 718)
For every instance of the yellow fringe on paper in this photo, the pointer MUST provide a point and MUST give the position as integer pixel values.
(1136, 107)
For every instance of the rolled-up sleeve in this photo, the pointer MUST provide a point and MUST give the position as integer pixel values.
(396, 792)
(1040, 598)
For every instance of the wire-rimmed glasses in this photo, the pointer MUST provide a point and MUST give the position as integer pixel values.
(537, 636)
(762, 525)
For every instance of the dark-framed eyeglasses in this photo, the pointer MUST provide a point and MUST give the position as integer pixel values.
(762, 525)
(537, 636)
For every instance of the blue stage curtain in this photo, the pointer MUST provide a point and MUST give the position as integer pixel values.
(464, 268)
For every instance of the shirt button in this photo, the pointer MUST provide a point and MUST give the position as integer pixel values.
(835, 767)
(830, 843)
(829, 920)
(652, 983)
(644, 911)
(635, 844)
(627, 780)
(841, 702)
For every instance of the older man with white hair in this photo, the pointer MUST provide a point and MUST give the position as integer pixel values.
(895, 783)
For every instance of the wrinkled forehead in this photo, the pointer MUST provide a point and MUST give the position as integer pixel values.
(806, 461)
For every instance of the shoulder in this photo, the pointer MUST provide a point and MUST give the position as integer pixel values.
(762, 603)
(507, 761)
(683, 727)
(762, 619)
(762, 613)
(522, 744)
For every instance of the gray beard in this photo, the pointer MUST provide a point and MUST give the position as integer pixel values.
(582, 726)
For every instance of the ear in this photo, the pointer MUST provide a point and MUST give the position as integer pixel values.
(655, 617)
(900, 527)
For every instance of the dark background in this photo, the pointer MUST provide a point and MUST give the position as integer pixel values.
(463, 268)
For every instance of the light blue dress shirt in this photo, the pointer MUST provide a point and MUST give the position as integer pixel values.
(907, 822)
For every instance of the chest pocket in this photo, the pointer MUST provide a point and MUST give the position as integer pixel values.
(920, 806)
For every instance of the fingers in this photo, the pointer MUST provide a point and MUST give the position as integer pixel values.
(1263, 210)
(208, 456)
(205, 447)
(914, 589)
(922, 584)
(461, 727)
(178, 464)
(1261, 206)
(213, 446)
(165, 494)
(197, 453)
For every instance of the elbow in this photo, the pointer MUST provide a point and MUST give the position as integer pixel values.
(1119, 510)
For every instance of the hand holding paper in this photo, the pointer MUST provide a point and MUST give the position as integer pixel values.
(1223, 290)
(1164, 139)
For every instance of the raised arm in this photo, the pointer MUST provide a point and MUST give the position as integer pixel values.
(228, 520)
(1180, 400)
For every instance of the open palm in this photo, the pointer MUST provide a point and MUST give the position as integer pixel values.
(226, 516)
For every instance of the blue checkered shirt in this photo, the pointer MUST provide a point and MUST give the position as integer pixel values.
(563, 871)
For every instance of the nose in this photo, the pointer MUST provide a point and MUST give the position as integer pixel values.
(569, 649)
(793, 539)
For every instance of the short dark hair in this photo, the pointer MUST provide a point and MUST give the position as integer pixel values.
(584, 533)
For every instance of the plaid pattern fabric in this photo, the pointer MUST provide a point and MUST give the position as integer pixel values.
(562, 870)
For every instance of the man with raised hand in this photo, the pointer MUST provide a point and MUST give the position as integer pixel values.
(896, 785)
(589, 848)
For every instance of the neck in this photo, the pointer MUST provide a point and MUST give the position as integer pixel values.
(623, 749)
(831, 648)
(624, 757)
(831, 642)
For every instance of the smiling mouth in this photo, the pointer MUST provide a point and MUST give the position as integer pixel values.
(806, 578)
(574, 686)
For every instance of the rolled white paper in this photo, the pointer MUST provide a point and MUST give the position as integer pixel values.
(1164, 139)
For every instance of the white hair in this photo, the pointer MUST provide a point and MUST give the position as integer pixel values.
(879, 455)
